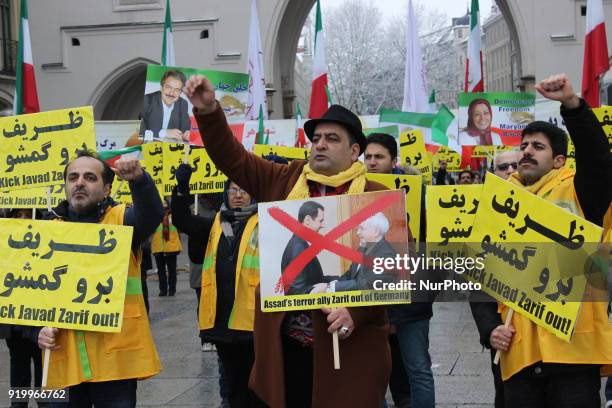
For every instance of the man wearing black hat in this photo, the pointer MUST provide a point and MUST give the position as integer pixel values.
(293, 351)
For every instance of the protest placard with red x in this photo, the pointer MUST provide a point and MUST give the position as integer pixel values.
(328, 241)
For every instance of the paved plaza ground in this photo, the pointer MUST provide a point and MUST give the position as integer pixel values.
(190, 379)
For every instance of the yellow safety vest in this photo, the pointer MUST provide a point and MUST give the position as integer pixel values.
(247, 278)
(158, 244)
(592, 339)
(86, 356)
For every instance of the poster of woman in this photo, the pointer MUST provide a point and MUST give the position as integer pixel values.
(494, 119)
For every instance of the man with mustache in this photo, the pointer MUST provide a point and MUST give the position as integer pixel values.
(101, 369)
(539, 369)
(295, 370)
(165, 114)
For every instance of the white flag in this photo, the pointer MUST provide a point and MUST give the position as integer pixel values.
(257, 84)
(415, 94)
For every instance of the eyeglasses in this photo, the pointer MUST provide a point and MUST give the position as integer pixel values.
(233, 191)
(504, 166)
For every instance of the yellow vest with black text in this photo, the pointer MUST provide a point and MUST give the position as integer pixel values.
(86, 356)
(591, 342)
(247, 278)
(173, 244)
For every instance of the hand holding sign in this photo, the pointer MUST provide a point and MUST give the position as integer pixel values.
(201, 93)
(339, 319)
(46, 338)
(501, 337)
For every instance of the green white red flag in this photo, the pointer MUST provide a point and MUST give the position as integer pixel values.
(26, 96)
(473, 68)
(168, 43)
(319, 100)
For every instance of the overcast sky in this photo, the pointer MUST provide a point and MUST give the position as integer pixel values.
(453, 8)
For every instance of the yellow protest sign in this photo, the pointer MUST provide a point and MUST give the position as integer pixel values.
(453, 159)
(32, 197)
(604, 115)
(64, 274)
(413, 153)
(206, 177)
(535, 254)
(412, 186)
(153, 157)
(120, 192)
(35, 148)
(450, 213)
(289, 153)
(488, 152)
(173, 155)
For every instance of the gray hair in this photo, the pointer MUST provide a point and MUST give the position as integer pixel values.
(498, 155)
(379, 221)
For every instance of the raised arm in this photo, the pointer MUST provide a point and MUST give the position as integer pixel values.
(245, 169)
(147, 212)
(182, 217)
(592, 179)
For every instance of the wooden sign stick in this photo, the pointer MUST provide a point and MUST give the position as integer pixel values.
(336, 350)
(186, 157)
(45, 373)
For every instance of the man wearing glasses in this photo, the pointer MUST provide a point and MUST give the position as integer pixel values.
(506, 163)
(165, 115)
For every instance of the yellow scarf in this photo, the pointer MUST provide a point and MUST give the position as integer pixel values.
(355, 174)
(556, 186)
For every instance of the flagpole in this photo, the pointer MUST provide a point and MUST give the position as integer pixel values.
(168, 39)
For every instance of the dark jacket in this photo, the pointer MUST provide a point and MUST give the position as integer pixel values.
(310, 275)
(486, 317)
(361, 277)
(442, 177)
(5, 331)
(196, 227)
(153, 115)
(593, 179)
(198, 230)
(367, 346)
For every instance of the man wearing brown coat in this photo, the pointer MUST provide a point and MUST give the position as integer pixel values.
(293, 351)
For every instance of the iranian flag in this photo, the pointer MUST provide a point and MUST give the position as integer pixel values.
(111, 156)
(473, 67)
(595, 52)
(300, 136)
(319, 100)
(168, 44)
(26, 97)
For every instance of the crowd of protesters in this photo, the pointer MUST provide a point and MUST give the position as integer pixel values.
(285, 359)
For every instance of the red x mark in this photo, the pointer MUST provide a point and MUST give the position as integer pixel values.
(320, 242)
